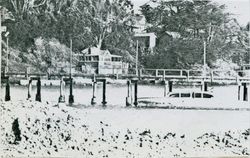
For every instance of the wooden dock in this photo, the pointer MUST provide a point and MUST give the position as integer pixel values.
(214, 76)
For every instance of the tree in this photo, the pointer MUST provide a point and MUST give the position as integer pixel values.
(194, 22)
(49, 55)
(87, 22)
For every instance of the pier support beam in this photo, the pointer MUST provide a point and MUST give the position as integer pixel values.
(170, 86)
(140, 74)
(136, 91)
(38, 93)
(62, 96)
(71, 96)
(104, 102)
(7, 90)
(165, 88)
(128, 103)
(205, 86)
(27, 73)
(29, 88)
(245, 95)
(93, 99)
(239, 92)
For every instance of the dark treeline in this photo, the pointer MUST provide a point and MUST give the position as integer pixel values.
(41, 31)
(183, 26)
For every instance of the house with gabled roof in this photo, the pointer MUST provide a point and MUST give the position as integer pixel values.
(96, 61)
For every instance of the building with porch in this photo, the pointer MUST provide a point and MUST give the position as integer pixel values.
(93, 60)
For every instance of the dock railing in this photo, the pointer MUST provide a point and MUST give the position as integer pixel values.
(163, 74)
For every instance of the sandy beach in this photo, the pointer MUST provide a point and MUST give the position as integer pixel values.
(48, 130)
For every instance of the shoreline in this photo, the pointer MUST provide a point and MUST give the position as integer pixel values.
(47, 130)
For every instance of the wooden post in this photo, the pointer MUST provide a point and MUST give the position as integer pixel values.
(212, 76)
(156, 73)
(170, 86)
(239, 92)
(205, 86)
(27, 73)
(93, 100)
(245, 97)
(104, 102)
(7, 92)
(188, 74)
(181, 73)
(136, 90)
(4, 72)
(117, 75)
(71, 96)
(164, 74)
(62, 96)
(165, 88)
(128, 103)
(38, 93)
(139, 74)
(202, 85)
(29, 88)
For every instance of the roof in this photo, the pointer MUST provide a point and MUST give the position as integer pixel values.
(94, 51)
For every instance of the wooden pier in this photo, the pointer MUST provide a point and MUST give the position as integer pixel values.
(215, 76)
(167, 76)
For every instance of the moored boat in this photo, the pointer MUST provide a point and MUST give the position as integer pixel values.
(199, 100)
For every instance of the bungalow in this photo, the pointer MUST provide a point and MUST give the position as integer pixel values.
(93, 60)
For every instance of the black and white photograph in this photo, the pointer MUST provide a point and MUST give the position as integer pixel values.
(125, 78)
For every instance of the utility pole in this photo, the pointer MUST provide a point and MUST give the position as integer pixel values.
(2, 29)
(71, 97)
(136, 58)
(0, 49)
(204, 57)
(7, 51)
(70, 58)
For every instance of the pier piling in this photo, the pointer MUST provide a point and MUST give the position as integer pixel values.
(27, 73)
(71, 96)
(104, 102)
(128, 103)
(239, 92)
(165, 88)
(7, 91)
(62, 96)
(170, 86)
(245, 97)
(29, 88)
(93, 100)
(136, 90)
(38, 93)
(205, 86)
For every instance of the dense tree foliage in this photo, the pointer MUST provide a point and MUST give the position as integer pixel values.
(183, 26)
(102, 23)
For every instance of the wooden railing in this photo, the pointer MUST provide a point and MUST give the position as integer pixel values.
(178, 74)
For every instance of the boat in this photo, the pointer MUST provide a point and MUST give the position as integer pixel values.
(196, 100)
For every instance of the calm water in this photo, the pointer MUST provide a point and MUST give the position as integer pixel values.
(193, 122)
(116, 94)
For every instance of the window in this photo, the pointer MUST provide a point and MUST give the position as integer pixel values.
(95, 58)
(185, 95)
(106, 59)
(197, 95)
(116, 59)
(207, 95)
(174, 95)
